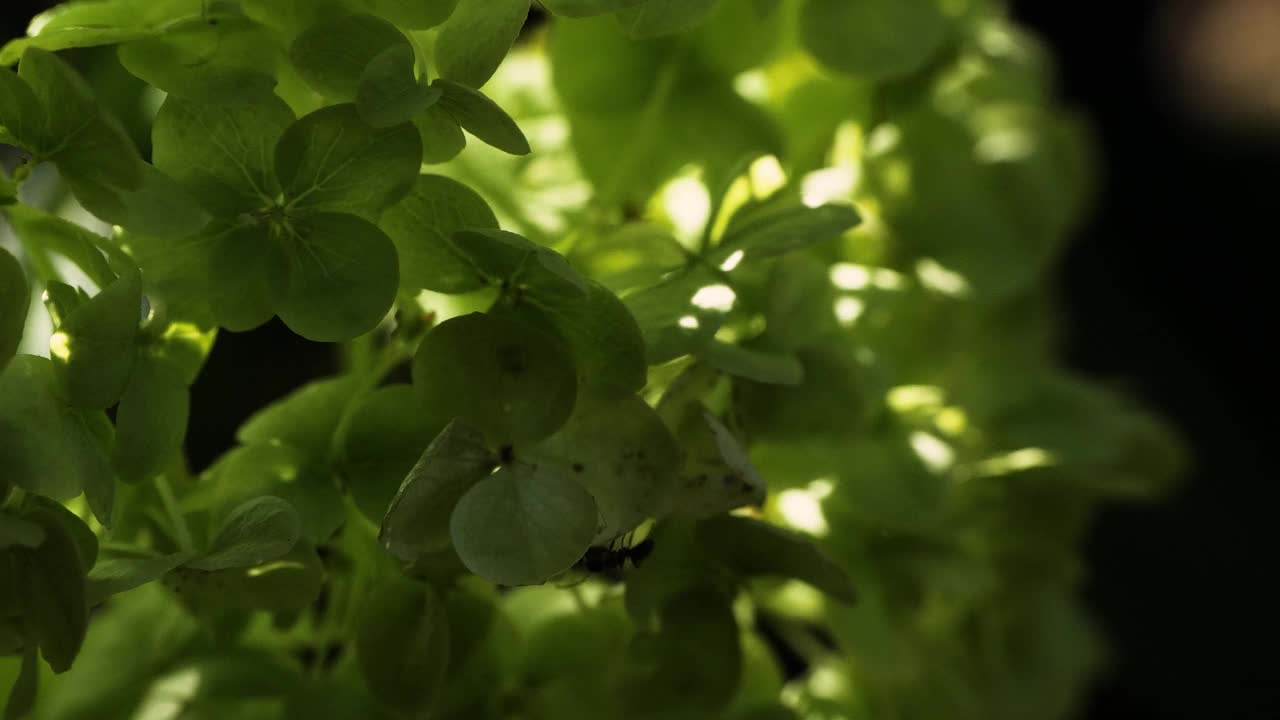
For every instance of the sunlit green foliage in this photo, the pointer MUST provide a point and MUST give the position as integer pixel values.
(729, 344)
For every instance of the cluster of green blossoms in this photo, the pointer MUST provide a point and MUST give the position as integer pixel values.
(759, 283)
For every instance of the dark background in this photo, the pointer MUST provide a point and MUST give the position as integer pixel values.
(1163, 291)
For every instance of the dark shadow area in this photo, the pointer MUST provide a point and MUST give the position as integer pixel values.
(1166, 289)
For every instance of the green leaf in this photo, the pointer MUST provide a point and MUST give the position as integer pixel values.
(518, 265)
(122, 569)
(831, 400)
(228, 62)
(960, 213)
(607, 345)
(52, 233)
(234, 681)
(417, 520)
(481, 117)
(85, 144)
(402, 645)
(343, 277)
(45, 446)
(511, 381)
(331, 160)
(305, 419)
(694, 663)
(22, 696)
(221, 155)
(421, 224)
(523, 524)
(738, 37)
(664, 17)
(413, 14)
(717, 476)
(15, 296)
(258, 531)
(236, 273)
(284, 585)
(476, 38)
(50, 513)
(60, 299)
(252, 471)
(146, 617)
(103, 22)
(17, 531)
(51, 589)
(628, 257)
(389, 93)
(160, 206)
(623, 454)
(758, 365)
(384, 438)
(151, 420)
(587, 8)
(785, 230)
(885, 487)
(874, 39)
(441, 135)
(671, 322)
(333, 54)
(95, 346)
(753, 548)
(20, 111)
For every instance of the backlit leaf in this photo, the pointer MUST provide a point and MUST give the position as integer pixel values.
(476, 37)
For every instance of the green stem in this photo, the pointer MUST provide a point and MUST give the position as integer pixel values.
(180, 529)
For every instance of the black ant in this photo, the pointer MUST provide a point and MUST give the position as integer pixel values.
(610, 561)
